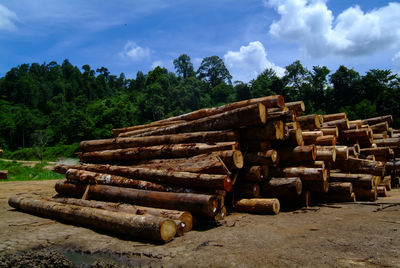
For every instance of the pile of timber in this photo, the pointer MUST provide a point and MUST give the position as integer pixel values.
(252, 156)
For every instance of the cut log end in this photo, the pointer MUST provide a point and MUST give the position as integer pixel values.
(168, 230)
(262, 113)
(238, 159)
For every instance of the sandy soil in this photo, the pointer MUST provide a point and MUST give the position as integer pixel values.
(338, 235)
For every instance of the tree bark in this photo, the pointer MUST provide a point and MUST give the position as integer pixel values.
(197, 204)
(330, 131)
(310, 137)
(121, 143)
(380, 127)
(142, 226)
(152, 152)
(258, 205)
(365, 194)
(389, 142)
(366, 181)
(118, 131)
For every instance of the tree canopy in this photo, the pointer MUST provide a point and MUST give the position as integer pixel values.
(67, 104)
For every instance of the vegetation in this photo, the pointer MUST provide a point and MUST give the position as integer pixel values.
(51, 105)
(18, 172)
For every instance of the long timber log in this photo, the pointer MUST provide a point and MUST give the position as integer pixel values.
(358, 180)
(197, 204)
(282, 188)
(252, 115)
(185, 217)
(304, 173)
(143, 226)
(376, 120)
(121, 143)
(361, 166)
(179, 178)
(159, 151)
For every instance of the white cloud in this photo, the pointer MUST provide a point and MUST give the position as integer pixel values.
(7, 18)
(249, 62)
(134, 52)
(353, 32)
(157, 63)
(396, 62)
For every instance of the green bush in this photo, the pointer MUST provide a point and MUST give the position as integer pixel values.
(49, 154)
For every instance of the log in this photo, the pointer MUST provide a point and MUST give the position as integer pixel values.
(247, 189)
(361, 166)
(309, 122)
(269, 157)
(341, 124)
(118, 131)
(366, 181)
(204, 163)
(315, 164)
(273, 130)
(233, 159)
(382, 135)
(89, 177)
(340, 188)
(325, 154)
(380, 127)
(355, 124)
(268, 101)
(252, 174)
(282, 188)
(196, 204)
(121, 143)
(299, 154)
(304, 173)
(3, 174)
(342, 152)
(309, 137)
(316, 186)
(180, 178)
(329, 140)
(330, 131)
(182, 216)
(143, 226)
(295, 137)
(159, 151)
(333, 117)
(366, 194)
(297, 106)
(385, 152)
(258, 205)
(252, 115)
(389, 142)
(379, 119)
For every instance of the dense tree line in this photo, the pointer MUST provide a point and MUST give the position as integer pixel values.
(62, 104)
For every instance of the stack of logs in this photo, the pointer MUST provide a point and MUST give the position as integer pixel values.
(251, 156)
(3, 173)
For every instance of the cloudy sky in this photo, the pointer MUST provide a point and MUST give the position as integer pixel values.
(250, 35)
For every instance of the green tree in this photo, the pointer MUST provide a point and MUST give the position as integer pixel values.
(183, 66)
(213, 71)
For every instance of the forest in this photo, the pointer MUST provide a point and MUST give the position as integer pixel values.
(51, 104)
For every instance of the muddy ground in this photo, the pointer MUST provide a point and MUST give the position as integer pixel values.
(338, 235)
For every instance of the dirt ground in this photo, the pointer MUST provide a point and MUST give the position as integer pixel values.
(358, 234)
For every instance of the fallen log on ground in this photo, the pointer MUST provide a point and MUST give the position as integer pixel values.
(258, 205)
(144, 226)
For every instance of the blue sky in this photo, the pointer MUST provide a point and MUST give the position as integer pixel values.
(250, 35)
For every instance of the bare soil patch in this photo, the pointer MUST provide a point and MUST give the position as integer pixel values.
(338, 235)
